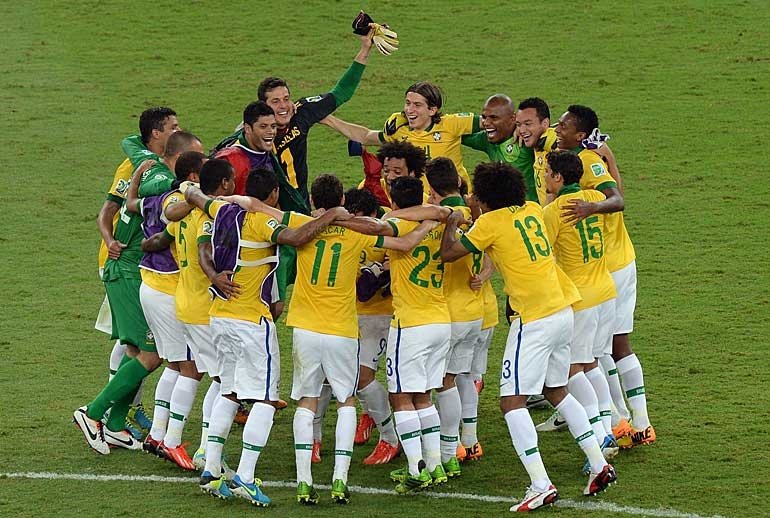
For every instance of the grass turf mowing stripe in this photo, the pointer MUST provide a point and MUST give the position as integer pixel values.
(592, 505)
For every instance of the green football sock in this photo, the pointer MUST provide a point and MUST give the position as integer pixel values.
(119, 411)
(126, 382)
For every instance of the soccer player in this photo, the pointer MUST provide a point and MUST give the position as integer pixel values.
(122, 281)
(536, 359)
(579, 250)
(155, 126)
(573, 129)
(496, 139)
(421, 123)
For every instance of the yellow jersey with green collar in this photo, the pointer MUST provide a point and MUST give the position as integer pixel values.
(164, 282)
(258, 228)
(443, 138)
(579, 248)
(117, 193)
(324, 297)
(517, 242)
(545, 144)
(465, 304)
(417, 279)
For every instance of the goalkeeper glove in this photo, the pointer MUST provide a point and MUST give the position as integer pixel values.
(361, 24)
(374, 268)
(385, 39)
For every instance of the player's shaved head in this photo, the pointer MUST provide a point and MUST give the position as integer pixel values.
(326, 192)
(261, 183)
(500, 100)
(442, 176)
(498, 185)
(180, 142)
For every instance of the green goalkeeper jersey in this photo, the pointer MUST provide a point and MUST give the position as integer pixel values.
(508, 152)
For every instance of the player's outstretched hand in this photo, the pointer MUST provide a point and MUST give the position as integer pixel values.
(222, 281)
(576, 210)
(456, 218)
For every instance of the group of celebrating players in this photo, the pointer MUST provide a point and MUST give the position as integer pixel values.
(199, 250)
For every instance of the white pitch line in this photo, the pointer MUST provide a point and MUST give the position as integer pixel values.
(588, 505)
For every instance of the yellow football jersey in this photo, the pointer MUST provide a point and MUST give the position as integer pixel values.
(579, 248)
(491, 311)
(324, 297)
(382, 301)
(465, 304)
(545, 145)
(259, 228)
(440, 139)
(117, 193)
(417, 279)
(192, 294)
(595, 174)
(516, 240)
(163, 282)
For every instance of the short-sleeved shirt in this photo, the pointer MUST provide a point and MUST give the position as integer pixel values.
(117, 194)
(440, 139)
(258, 228)
(417, 279)
(517, 242)
(545, 144)
(579, 248)
(508, 152)
(324, 297)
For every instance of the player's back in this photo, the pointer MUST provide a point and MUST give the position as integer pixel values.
(192, 296)
(417, 279)
(465, 304)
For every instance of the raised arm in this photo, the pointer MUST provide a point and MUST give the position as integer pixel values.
(354, 132)
(612, 164)
(195, 197)
(253, 205)
(451, 248)
(408, 241)
(421, 212)
(303, 234)
(368, 226)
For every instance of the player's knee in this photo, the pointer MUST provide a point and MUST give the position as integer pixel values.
(508, 403)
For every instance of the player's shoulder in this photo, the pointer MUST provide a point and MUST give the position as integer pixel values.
(547, 141)
(593, 163)
(394, 123)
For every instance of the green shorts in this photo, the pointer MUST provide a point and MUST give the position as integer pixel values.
(128, 322)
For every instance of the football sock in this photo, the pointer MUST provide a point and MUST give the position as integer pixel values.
(116, 419)
(430, 425)
(577, 421)
(524, 438)
(222, 416)
(374, 400)
(320, 412)
(408, 428)
(117, 354)
(611, 372)
(343, 446)
(208, 406)
(470, 407)
(163, 392)
(303, 444)
(602, 390)
(255, 434)
(125, 382)
(581, 389)
(449, 411)
(630, 371)
(181, 402)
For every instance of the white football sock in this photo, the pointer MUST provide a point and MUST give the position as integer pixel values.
(613, 380)
(632, 378)
(430, 425)
(163, 391)
(602, 390)
(579, 386)
(221, 421)
(303, 443)
(181, 402)
(116, 356)
(577, 421)
(470, 408)
(408, 428)
(343, 445)
(374, 401)
(208, 406)
(524, 438)
(318, 418)
(255, 434)
(449, 412)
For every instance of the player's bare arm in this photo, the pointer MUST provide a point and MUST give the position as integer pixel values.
(253, 205)
(577, 210)
(369, 226)
(104, 223)
(408, 241)
(132, 196)
(304, 234)
(612, 164)
(156, 242)
(195, 197)
(487, 269)
(351, 131)
(422, 212)
(221, 279)
(451, 248)
(177, 211)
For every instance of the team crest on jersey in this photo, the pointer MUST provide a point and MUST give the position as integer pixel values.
(597, 169)
(437, 136)
(313, 99)
(122, 187)
(208, 227)
(272, 224)
(149, 337)
(509, 148)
